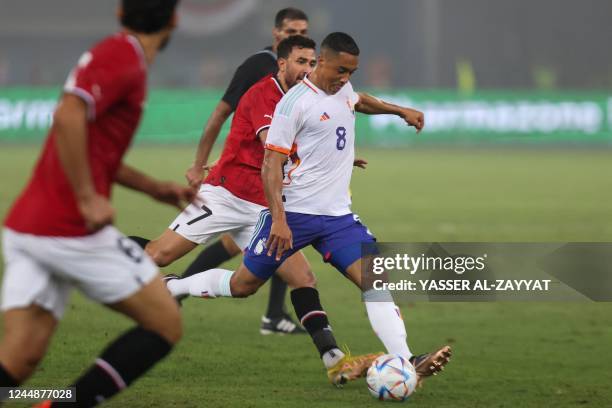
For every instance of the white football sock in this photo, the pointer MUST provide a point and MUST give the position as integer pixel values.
(211, 283)
(331, 357)
(387, 323)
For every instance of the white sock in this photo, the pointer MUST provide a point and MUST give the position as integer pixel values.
(331, 357)
(211, 283)
(387, 323)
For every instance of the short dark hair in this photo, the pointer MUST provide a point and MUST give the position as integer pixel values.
(289, 13)
(147, 16)
(340, 42)
(299, 41)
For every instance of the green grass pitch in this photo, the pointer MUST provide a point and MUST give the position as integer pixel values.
(506, 354)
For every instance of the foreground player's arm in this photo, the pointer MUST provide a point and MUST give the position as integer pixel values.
(195, 174)
(371, 105)
(272, 175)
(165, 191)
(70, 129)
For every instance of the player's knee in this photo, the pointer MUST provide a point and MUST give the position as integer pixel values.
(306, 279)
(162, 257)
(242, 289)
(24, 352)
(301, 279)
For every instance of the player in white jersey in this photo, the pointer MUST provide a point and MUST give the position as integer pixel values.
(306, 174)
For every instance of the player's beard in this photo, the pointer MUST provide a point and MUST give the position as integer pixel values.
(297, 79)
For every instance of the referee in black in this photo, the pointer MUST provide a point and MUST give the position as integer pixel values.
(288, 22)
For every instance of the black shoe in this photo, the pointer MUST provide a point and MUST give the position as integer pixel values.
(168, 278)
(280, 325)
(432, 363)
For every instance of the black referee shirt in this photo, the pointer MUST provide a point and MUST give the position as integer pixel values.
(254, 68)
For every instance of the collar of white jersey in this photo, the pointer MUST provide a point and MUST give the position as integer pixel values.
(313, 87)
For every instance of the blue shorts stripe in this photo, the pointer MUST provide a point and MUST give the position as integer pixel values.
(262, 220)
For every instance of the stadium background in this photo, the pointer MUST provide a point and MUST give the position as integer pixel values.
(518, 97)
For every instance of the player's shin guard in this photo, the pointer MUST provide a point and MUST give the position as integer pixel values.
(142, 242)
(312, 316)
(129, 357)
(387, 322)
(211, 283)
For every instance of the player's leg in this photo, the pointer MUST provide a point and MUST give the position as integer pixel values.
(387, 323)
(343, 249)
(213, 256)
(276, 319)
(168, 247)
(307, 304)
(27, 332)
(120, 275)
(241, 283)
(211, 213)
(248, 278)
(32, 301)
(134, 352)
(304, 296)
(383, 314)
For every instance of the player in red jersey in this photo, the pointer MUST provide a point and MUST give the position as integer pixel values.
(58, 234)
(287, 22)
(231, 197)
(230, 201)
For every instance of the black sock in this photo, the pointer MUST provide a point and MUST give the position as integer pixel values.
(6, 380)
(142, 242)
(210, 257)
(312, 316)
(276, 299)
(123, 361)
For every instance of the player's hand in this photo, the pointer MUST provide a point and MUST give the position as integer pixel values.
(96, 211)
(174, 194)
(280, 239)
(209, 167)
(361, 163)
(413, 117)
(195, 175)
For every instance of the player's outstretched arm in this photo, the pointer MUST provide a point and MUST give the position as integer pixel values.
(195, 174)
(272, 175)
(164, 191)
(70, 129)
(372, 105)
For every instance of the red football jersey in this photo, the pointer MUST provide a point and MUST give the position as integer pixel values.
(239, 167)
(111, 79)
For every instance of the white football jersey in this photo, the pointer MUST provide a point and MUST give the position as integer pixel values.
(317, 132)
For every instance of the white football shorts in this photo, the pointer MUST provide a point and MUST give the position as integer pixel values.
(217, 211)
(106, 266)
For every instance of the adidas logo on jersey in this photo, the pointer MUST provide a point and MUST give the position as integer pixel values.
(324, 117)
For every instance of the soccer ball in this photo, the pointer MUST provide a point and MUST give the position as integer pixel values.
(391, 378)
